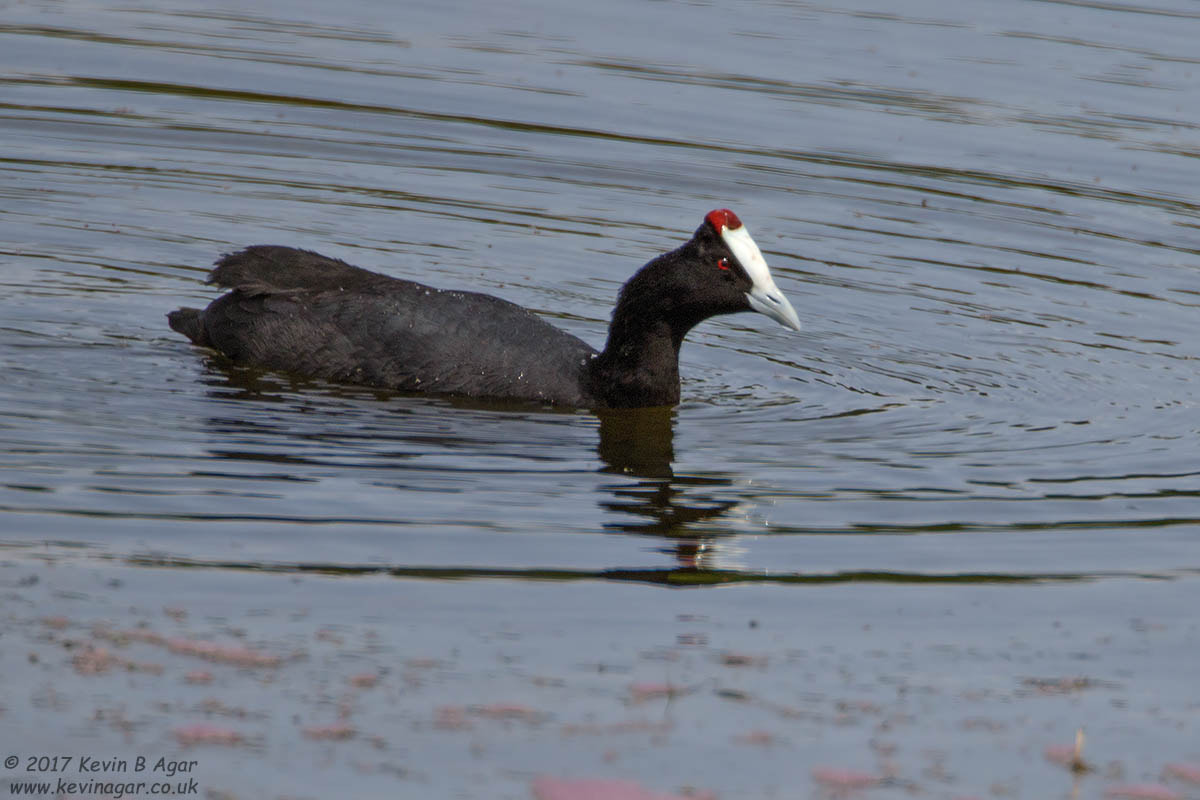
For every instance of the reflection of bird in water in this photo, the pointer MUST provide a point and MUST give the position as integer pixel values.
(664, 507)
(689, 512)
(639, 442)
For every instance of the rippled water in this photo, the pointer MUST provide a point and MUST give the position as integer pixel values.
(986, 215)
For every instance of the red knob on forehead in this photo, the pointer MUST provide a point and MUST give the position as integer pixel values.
(723, 218)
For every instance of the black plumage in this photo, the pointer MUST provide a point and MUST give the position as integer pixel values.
(296, 311)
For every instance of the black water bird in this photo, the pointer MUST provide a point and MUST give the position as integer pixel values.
(296, 311)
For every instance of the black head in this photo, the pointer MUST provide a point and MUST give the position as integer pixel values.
(720, 270)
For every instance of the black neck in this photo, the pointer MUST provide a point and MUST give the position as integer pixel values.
(639, 366)
(640, 362)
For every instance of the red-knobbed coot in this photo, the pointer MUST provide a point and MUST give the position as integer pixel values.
(300, 312)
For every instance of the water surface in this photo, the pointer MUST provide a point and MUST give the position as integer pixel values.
(985, 214)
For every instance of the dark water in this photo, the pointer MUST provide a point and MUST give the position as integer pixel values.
(986, 215)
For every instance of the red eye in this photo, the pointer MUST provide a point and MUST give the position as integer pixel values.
(723, 264)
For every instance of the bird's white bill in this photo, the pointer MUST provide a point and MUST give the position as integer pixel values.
(764, 296)
(770, 301)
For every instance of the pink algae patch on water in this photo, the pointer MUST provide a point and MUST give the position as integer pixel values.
(507, 711)
(332, 731)
(96, 660)
(93, 661)
(642, 692)
(204, 733)
(838, 779)
(742, 660)
(457, 717)
(226, 654)
(757, 738)
(236, 655)
(451, 718)
(1059, 685)
(364, 680)
(654, 728)
(546, 788)
(328, 635)
(1184, 772)
(423, 663)
(1143, 791)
